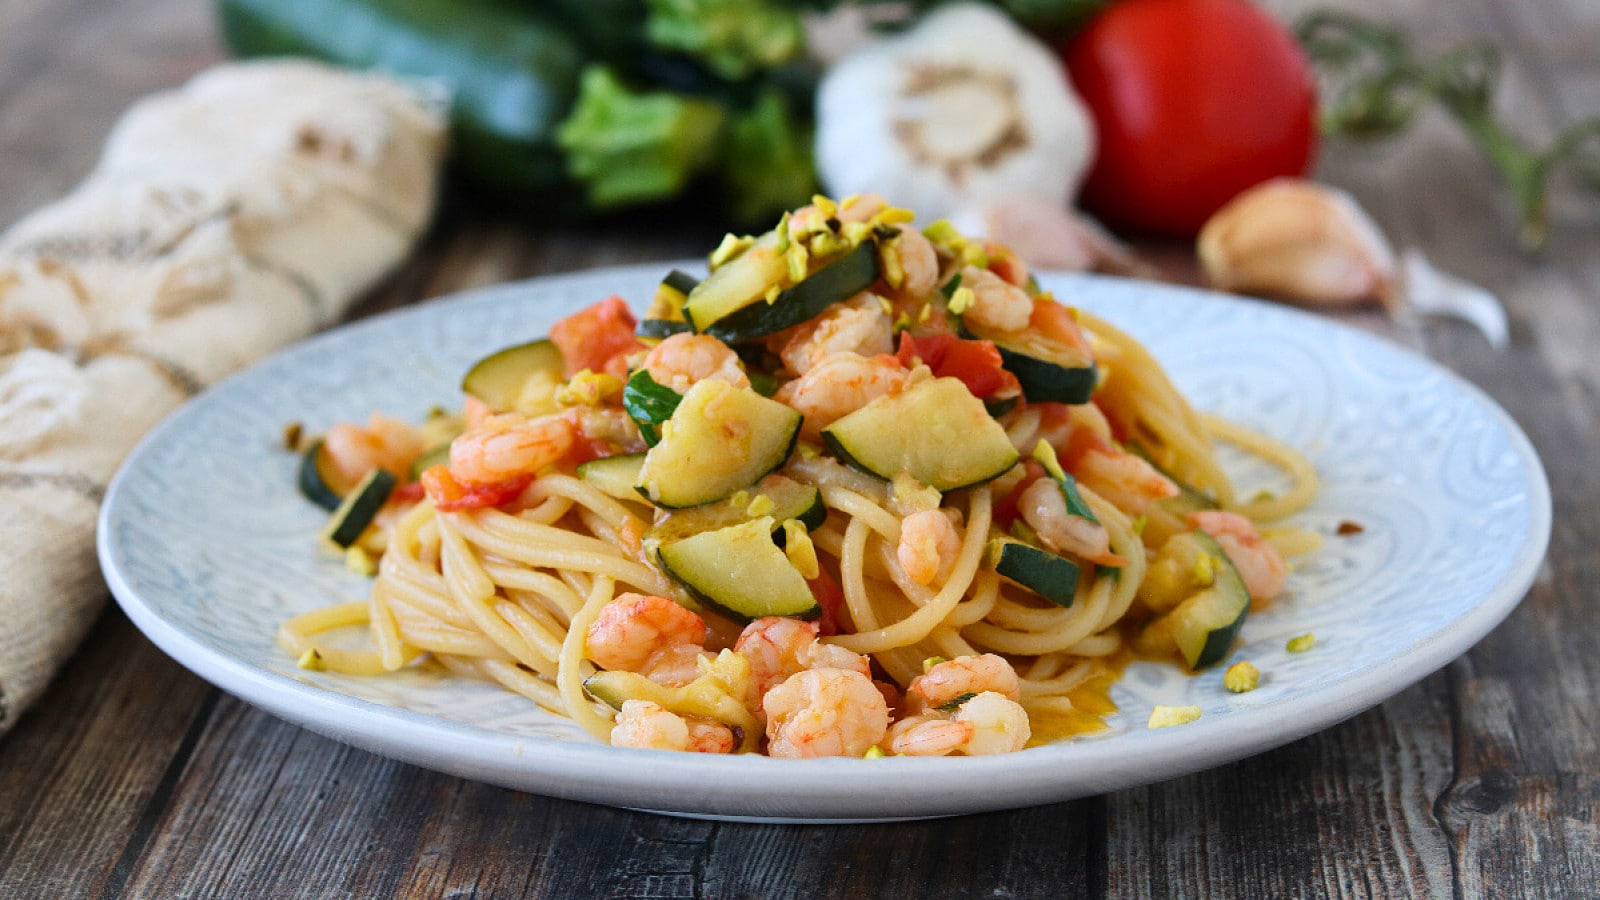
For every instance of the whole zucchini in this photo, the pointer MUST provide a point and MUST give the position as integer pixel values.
(512, 74)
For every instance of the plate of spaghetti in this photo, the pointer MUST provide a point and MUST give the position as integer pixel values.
(861, 520)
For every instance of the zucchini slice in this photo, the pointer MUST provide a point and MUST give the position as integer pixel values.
(318, 481)
(1047, 370)
(740, 571)
(1205, 624)
(359, 508)
(614, 476)
(937, 432)
(785, 499)
(521, 378)
(839, 280)
(737, 283)
(720, 439)
(1052, 577)
(664, 317)
(1190, 499)
(649, 403)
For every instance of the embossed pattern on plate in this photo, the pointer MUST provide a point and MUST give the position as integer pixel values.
(208, 547)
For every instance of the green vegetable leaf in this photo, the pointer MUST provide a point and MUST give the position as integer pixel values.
(631, 147)
(766, 160)
(955, 704)
(649, 403)
(733, 38)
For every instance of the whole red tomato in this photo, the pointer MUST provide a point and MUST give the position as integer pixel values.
(1195, 100)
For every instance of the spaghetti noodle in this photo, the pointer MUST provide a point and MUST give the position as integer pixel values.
(979, 598)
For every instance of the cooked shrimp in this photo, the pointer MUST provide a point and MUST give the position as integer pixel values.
(506, 446)
(674, 665)
(683, 359)
(1258, 562)
(632, 630)
(841, 384)
(707, 736)
(475, 412)
(928, 546)
(1045, 510)
(999, 724)
(997, 304)
(1131, 484)
(778, 647)
(927, 735)
(824, 712)
(648, 726)
(918, 260)
(384, 443)
(948, 680)
(858, 325)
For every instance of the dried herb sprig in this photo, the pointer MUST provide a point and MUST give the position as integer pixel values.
(1375, 84)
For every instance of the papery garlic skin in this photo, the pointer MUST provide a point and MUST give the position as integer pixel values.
(1300, 241)
(1048, 236)
(963, 109)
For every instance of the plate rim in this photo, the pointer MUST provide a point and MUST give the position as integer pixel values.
(569, 769)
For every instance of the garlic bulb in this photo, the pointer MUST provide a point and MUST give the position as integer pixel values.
(1300, 241)
(963, 109)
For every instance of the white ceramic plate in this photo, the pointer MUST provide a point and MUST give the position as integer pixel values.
(207, 545)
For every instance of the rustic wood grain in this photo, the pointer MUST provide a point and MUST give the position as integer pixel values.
(134, 778)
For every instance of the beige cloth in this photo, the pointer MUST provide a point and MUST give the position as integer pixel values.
(224, 220)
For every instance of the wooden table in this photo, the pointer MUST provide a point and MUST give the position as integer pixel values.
(132, 776)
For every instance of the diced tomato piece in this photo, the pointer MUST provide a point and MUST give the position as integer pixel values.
(1080, 440)
(831, 598)
(593, 338)
(976, 363)
(451, 495)
(410, 492)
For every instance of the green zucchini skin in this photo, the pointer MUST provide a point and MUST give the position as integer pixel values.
(839, 280)
(1041, 379)
(500, 378)
(936, 431)
(740, 571)
(649, 404)
(695, 463)
(1206, 624)
(359, 508)
(512, 73)
(314, 482)
(1052, 577)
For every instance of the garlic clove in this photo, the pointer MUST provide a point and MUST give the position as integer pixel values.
(1048, 236)
(1299, 241)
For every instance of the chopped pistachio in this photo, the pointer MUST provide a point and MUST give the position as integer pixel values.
(1139, 526)
(894, 215)
(1205, 570)
(924, 313)
(942, 232)
(826, 206)
(856, 232)
(1301, 644)
(873, 753)
(962, 300)
(797, 546)
(783, 233)
(930, 662)
(1242, 676)
(741, 498)
(903, 323)
(894, 272)
(359, 561)
(1167, 716)
(731, 248)
(888, 308)
(311, 661)
(760, 506)
(1263, 496)
(849, 201)
(772, 294)
(589, 388)
(974, 255)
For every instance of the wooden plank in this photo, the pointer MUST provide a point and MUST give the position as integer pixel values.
(82, 770)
